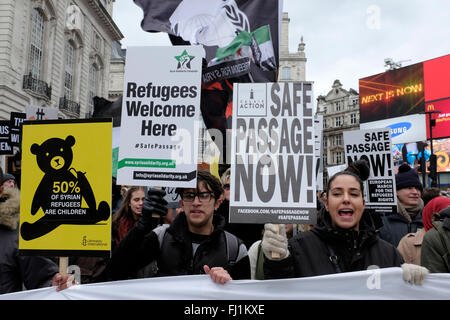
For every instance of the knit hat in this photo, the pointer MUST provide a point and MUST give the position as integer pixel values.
(8, 176)
(434, 206)
(407, 177)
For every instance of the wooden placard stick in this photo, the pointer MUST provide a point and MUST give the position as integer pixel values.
(276, 255)
(63, 264)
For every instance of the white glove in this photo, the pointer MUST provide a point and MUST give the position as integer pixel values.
(275, 242)
(413, 273)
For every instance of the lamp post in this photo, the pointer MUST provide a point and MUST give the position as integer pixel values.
(433, 169)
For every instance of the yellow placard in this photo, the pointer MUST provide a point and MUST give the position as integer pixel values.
(65, 206)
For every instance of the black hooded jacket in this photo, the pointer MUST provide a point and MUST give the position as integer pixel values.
(354, 251)
(174, 256)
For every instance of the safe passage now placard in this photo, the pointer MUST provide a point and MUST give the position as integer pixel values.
(273, 176)
(65, 205)
(160, 116)
(374, 146)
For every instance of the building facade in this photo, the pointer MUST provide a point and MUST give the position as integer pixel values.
(55, 54)
(340, 111)
(292, 65)
(117, 71)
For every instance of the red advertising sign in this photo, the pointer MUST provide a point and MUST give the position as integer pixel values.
(409, 90)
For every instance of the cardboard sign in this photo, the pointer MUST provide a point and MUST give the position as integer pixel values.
(5, 138)
(318, 145)
(272, 167)
(15, 128)
(160, 116)
(65, 204)
(375, 147)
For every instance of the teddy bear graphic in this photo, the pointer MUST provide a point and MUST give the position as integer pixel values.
(61, 191)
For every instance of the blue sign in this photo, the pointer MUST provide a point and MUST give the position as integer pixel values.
(399, 128)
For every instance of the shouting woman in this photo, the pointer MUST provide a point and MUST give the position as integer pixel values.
(344, 240)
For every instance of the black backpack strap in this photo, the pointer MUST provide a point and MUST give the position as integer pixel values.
(334, 259)
(232, 247)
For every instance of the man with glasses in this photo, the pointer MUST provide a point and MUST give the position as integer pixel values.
(194, 243)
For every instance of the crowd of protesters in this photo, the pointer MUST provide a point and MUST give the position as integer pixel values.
(201, 240)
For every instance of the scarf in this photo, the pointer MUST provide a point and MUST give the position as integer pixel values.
(409, 212)
(125, 225)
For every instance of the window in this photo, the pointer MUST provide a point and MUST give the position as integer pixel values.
(324, 109)
(338, 121)
(325, 160)
(338, 157)
(338, 106)
(324, 142)
(92, 88)
(37, 37)
(338, 140)
(286, 73)
(69, 70)
(353, 118)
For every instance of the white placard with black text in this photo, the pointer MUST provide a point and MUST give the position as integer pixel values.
(160, 116)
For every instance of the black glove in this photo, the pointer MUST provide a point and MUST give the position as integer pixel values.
(154, 203)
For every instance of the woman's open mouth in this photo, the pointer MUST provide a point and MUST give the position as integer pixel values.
(345, 212)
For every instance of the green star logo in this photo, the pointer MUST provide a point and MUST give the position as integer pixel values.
(184, 61)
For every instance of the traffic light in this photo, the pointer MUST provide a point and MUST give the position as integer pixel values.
(433, 167)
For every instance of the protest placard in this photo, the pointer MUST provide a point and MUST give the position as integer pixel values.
(318, 145)
(15, 128)
(272, 167)
(65, 204)
(5, 137)
(375, 147)
(160, 116)
(335, 169)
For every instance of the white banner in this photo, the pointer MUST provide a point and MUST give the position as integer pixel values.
(160, 116)
(376, 284)
(272, 158)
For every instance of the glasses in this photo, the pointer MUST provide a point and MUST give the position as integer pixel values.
(226, 186)
(202, 196)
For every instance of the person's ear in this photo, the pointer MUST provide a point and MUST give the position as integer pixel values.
(181, 203)
(218, 203)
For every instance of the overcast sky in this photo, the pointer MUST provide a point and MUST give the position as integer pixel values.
(345, 40)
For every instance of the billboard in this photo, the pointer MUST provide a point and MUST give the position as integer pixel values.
(403, 129)
(441, 148)
(407, 91)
